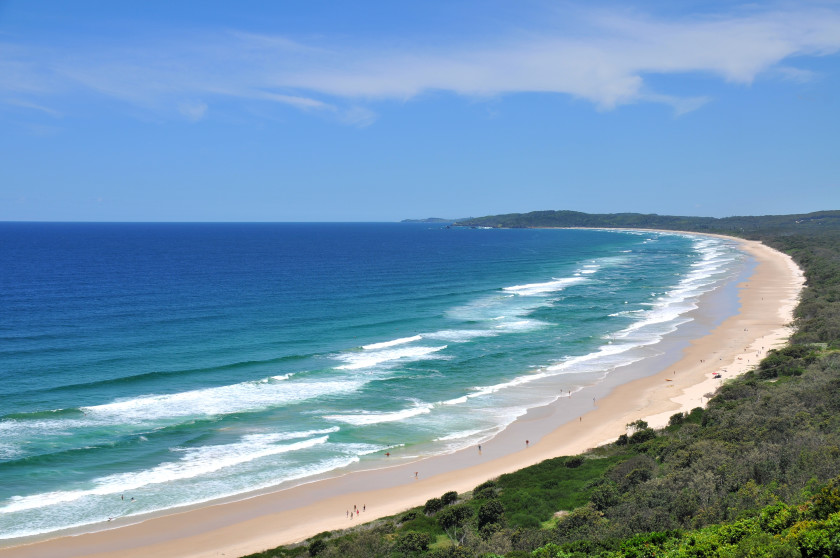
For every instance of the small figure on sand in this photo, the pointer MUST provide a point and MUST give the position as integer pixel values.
(479, 448)
(415, 474)
(387, 454)
(527, 442)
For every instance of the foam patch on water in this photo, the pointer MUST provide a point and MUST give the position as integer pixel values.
(369, 359)
(459, 435)
(521, 325)
(366, 418)
(236, 398)
(385, 344)
(536, 289)
(459, 335)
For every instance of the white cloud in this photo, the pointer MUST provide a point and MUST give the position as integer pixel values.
(192, 110)
(32, 106)
(605, 62)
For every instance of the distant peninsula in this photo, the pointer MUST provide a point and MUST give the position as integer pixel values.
(564, 218)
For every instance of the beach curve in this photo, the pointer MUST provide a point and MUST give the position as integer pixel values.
(767, 300)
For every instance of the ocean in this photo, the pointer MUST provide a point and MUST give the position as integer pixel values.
(145, 367)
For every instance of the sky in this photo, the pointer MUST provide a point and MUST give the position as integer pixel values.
(308, 110)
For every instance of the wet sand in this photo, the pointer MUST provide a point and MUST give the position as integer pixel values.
(682, 380)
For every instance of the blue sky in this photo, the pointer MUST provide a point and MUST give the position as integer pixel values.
(307, 110)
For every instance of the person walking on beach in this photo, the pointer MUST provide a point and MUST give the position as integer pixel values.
(527, 442)
(415, 474)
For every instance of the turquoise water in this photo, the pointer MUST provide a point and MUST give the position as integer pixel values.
(174, 364)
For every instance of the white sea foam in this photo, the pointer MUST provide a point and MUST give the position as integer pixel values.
(459, 435)
(195, 462)
(669, 310)
(605, 357)
(245, 396)
(520, 325)
(384, 344)
(480, 391)
(369, 359)
(9, 451)
(459, 335)
(625, 313)
(271, 477)
(536, 289)
(365, 418)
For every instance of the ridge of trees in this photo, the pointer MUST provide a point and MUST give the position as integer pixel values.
(819, 220)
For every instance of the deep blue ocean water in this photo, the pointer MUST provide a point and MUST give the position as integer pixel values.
(178, 363)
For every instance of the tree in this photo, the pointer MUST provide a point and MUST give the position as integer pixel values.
(316, 547)
(449, 498)
(453, 520)
(490, 511)
(432, 506)
(413, 541)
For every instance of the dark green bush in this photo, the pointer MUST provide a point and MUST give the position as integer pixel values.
(574, 462)
(449, 498)
(412, 541)
(432, 506)
(316, 547)
(490, 511)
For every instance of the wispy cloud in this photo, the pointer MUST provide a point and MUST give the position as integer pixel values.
(194, 110)
(606, 65)
(24, 104)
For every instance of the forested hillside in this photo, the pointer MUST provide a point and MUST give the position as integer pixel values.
(776, 224)
(756, 473)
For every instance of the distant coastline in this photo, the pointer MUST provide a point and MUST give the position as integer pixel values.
(437, 220)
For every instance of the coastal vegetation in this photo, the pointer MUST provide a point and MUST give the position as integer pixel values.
(756, 473)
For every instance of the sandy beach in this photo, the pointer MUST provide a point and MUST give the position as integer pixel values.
(681, 382)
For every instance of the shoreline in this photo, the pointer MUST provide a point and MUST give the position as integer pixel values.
(266, 520)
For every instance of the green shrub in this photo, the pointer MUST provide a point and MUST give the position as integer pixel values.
(490, 511)
(449, 498)
(487, 493)
(316, 547)
(574, 462)
(412, 541)
(776, 518)
(826, 501)
(408, 516)
(433, 506)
